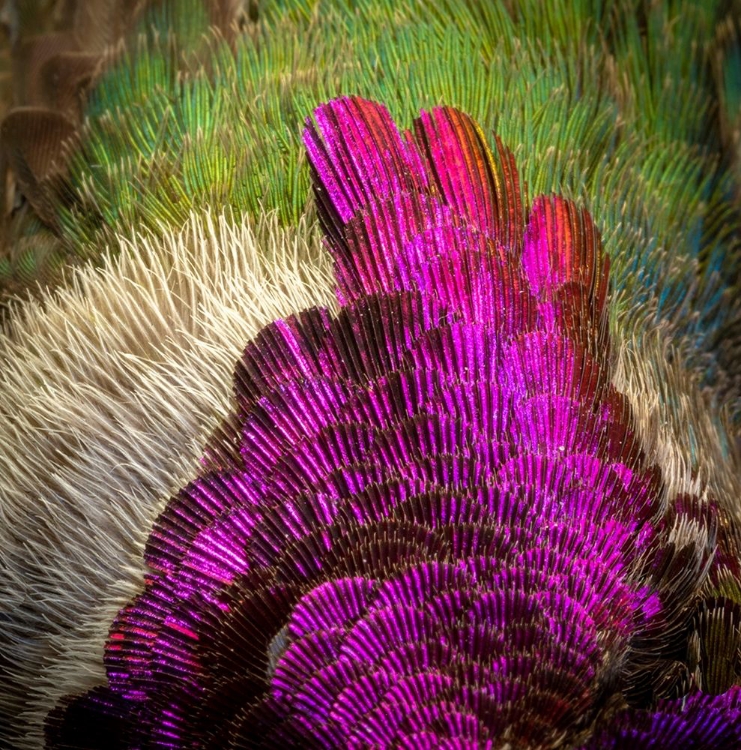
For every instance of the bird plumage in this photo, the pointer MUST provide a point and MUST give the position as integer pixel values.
(612, 107)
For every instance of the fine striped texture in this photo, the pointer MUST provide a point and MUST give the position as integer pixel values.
(430, 520)
(104, 417)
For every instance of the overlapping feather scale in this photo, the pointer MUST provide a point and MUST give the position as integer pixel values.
(431, 521)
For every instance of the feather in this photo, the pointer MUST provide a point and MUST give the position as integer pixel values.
(428, 579)
(473, 386)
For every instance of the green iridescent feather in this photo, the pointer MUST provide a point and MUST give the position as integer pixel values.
(610, 103)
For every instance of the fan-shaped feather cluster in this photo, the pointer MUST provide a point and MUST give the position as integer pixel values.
(436, 526)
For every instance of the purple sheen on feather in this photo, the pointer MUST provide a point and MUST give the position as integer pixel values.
(445, 531)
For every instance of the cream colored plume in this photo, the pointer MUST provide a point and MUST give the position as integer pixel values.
(108, 391)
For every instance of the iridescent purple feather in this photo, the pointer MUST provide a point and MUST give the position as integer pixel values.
(441, 529)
